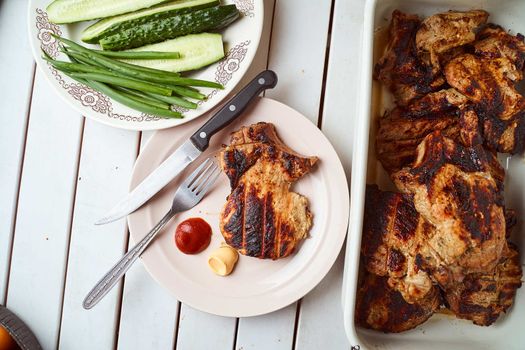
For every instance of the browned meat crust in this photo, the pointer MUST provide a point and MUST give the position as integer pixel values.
(262, 217)
(454, 189)
(445, 31)
(392, 234)
(402, 129)
(400, 68)
(448, 230)
(382, 308)
(489, 83)
(494, 42)
(482, 298)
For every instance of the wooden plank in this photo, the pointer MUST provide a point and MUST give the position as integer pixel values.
(272, 331)
(297, 53)
(106, 161)
(149, 313)
(199, 330)
(44, 213)
(340, 99)
(17, 71)
(320, 323)
(322, 306)
(144, 299)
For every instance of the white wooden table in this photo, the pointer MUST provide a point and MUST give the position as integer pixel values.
(60, 171)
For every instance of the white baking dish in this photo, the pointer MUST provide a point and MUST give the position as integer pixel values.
(441, 331)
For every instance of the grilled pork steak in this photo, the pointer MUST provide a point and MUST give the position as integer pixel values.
(393, 236)
(454, 189)
(454, 82)
(445, 31)
(482, 298)
(382, 308)
(401, 69)
(262, 217)
(402, 129)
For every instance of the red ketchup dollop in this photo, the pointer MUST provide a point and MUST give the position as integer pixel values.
(192, 236)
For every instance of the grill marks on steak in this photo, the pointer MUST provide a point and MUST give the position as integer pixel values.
(450, 54)
(383, 308)
(401, 69)
(393, 232)
(403, 272)
(454, 190)
(482, 298)
(448, 229)
(403, 128)
(262, 217)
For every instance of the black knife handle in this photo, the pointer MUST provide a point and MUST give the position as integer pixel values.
(233, 108)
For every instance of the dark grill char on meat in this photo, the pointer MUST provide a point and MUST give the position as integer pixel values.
(446, 31)
(401, 69)
(455, 191)
(262, 217)
(489, 83)
(392, 234)
(403, 128)
(444, 240)
(478, 102)
(382, 308)
(482, 298)
(494, 42)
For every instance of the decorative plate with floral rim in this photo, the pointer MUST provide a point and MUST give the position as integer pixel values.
(241, 41)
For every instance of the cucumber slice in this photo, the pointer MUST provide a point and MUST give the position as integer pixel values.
(69, 11)
(150, 32)
(196, 51)
(112, 25)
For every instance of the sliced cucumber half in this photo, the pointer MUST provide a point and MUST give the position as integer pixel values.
(69, 11)
(196, 51)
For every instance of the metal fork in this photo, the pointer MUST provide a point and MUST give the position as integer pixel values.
(189, 193)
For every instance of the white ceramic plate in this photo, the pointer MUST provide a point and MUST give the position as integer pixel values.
(256, 286)
(241, 41)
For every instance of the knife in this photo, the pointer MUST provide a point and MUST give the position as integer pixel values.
(191, 148)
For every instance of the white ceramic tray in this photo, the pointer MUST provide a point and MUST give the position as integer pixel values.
(441, 331)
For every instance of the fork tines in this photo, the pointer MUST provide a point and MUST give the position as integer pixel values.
(200, 181)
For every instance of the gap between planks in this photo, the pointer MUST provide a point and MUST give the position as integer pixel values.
(71, 217)
(326, 60)
(20, 170)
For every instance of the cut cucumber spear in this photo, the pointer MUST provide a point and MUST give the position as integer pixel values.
(196, 51)
(69, 11)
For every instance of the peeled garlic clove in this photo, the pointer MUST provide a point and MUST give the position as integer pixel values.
(222, 260)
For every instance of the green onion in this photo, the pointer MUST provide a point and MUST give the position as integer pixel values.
(157, 75)
(84, 50)
(75, 67)
(137, 96)
(145, 89)
(175, 100)
(186, 91)
(125, 82)
(139, 55)
(81, 58)
(117, 96)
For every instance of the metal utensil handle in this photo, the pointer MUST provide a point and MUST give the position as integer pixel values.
(119, 269)
(233, 108)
